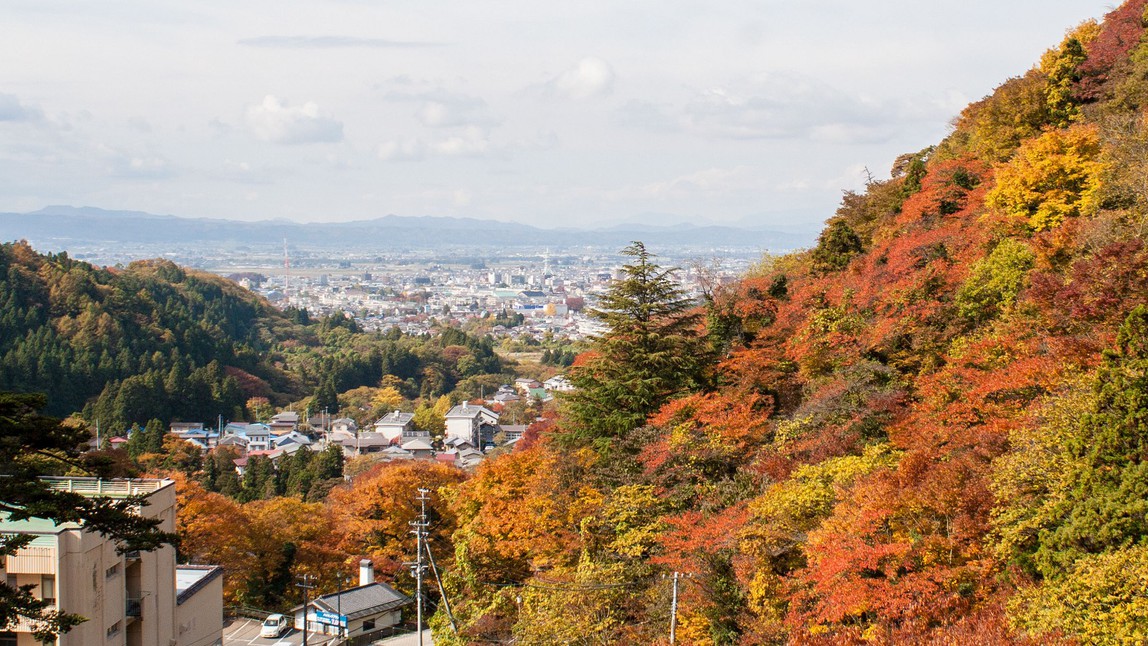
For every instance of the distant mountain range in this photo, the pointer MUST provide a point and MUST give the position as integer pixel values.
(67, 226)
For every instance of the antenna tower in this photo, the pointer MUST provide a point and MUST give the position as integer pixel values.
(286, 267)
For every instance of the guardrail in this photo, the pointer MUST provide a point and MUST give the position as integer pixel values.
(367, 638)
(247, 611)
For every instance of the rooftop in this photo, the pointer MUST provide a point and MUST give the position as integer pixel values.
(363, 600)
(190, 579)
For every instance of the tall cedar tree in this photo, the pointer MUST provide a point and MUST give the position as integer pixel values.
(650, 352)
(28, 442)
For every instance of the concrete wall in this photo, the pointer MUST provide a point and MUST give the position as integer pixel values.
(199, 620)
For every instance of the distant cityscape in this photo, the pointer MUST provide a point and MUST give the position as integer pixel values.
(414, 289)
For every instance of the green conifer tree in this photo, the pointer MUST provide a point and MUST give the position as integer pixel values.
(651, 351)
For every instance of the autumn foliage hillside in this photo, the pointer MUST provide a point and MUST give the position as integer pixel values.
(931, 428)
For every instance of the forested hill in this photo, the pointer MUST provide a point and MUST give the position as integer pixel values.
(156, 341)
(72, 330)
(931, 428)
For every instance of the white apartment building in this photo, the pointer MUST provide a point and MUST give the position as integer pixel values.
(133, 599)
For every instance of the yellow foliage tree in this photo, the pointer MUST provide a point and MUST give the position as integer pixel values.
(213, 529)
(1101, 601)
(307, 526)
(1052, 177)
(388, 398)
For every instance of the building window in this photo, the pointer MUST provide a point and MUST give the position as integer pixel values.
(7, 638)
(112, 571)
(48, 588)
(368, 624)
(114, 630)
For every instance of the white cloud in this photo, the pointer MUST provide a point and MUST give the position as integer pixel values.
(591, 77)
(404, 150)
(777, 106)
(439, 108)
(472, 142)
(241, 172)
(708, 180)
(12, 110)
(329, 42)
(131, 165)
(447, 111)
(277, 122)
(649, 116)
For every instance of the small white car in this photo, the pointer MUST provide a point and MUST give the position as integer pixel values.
(274, 626)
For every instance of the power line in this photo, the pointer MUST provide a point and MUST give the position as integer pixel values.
(562, 587)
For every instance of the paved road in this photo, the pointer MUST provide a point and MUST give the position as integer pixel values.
(411, 639)
(245, 632)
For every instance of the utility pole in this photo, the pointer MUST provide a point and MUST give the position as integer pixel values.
(342, 625)
(307, 583)
(418, 567)
(674, 609)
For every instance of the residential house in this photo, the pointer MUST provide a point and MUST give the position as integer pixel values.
(524, 384)
(558, 383)
(294, 438)
(241, 463)
(394, 425)
(131, 599)
(540, 394)
(511, 432)
(419, 449)
(203, 438)
(365, 443)
(466, 421)
(344, 424)
(358, 612)
(284, 422)
(258, 437)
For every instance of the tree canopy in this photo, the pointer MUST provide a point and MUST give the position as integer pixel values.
(651, 351)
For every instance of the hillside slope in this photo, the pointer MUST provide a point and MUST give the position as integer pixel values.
(931, 428)
(72, 330)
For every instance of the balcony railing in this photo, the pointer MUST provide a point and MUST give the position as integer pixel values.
(101, 487)
(133, 607)
(32, 560)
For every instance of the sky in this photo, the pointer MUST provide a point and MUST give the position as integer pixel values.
(753, 113)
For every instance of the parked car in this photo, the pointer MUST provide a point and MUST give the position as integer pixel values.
(275, 626)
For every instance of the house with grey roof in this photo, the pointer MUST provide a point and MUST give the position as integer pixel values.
(368, 608)
(466, 422)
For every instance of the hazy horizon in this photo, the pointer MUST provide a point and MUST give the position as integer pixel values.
(755, 114)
